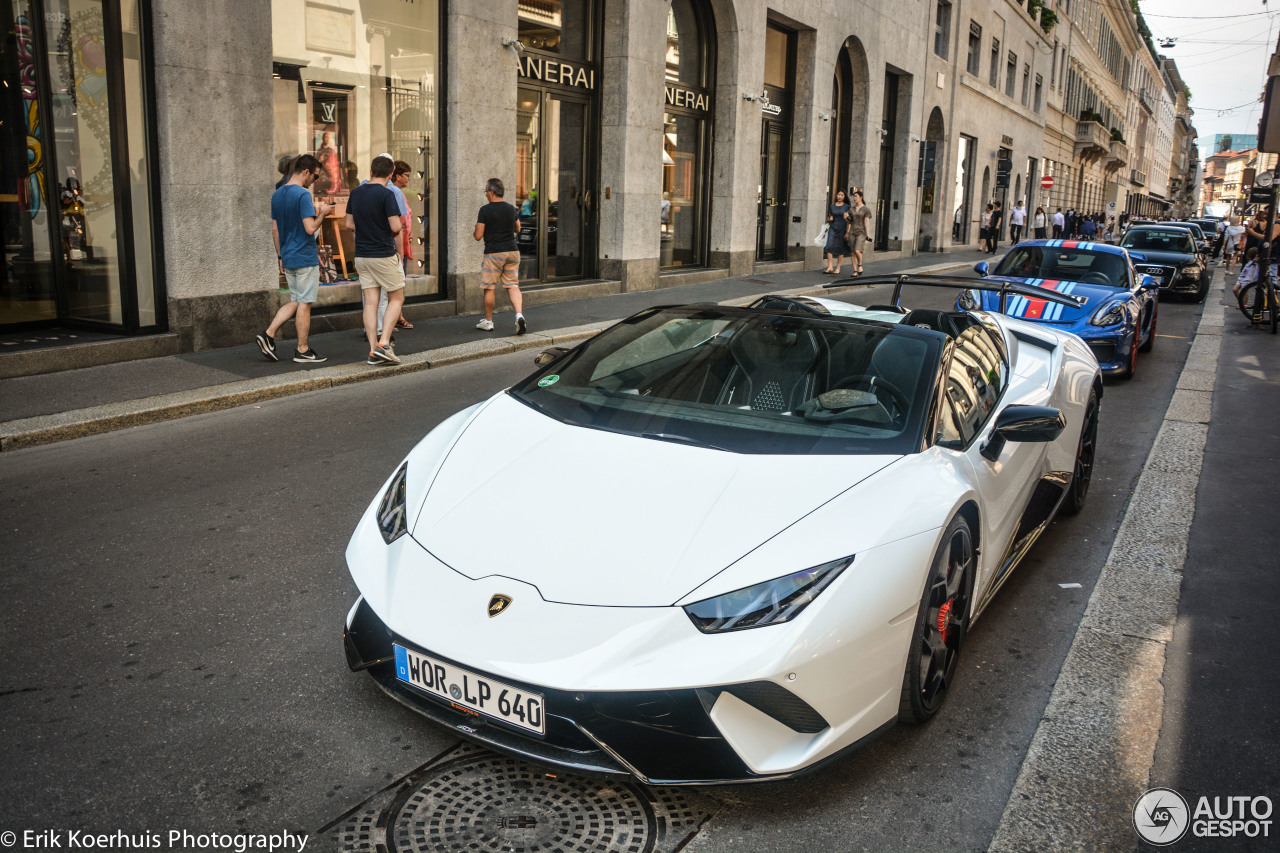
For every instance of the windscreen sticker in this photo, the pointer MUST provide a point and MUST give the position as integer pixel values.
(548, 380)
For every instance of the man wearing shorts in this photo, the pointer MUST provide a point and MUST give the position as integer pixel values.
(373, 213)
(497, 225)
(294, 222)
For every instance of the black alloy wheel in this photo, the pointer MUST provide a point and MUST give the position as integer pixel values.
(1085, 452)
(941, 626)
(1151, 333)
(1132, 367)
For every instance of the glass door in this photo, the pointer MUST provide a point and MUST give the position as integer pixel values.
(553, 187)
(772, 200)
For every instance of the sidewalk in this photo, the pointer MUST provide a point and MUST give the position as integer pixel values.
(59, 406)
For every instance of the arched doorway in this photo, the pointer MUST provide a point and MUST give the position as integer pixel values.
(841, 119)
(932, 158)
(858, 170)
(687, 129)
(985, 198)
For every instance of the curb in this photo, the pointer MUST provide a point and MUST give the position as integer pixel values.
(1090, 758)
(48, 429)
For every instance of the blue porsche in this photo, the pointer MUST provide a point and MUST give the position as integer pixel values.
(1117, 317)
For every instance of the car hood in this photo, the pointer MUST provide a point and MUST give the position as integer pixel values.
(598, 518)
(1174, 258)
(1041, 310)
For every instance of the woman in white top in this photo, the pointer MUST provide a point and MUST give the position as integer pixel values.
(984, 230)
(1232, 242)
(1040, 222)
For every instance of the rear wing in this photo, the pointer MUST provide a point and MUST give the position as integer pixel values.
(1001, 286)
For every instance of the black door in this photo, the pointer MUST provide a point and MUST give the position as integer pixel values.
(771, 220)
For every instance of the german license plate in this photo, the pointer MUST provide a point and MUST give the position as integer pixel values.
(476, 693)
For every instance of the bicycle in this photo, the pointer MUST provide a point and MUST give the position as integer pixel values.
(1258, 301)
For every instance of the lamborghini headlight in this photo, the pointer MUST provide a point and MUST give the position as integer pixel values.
(769, 603)
(1108, 315)
(391, 511)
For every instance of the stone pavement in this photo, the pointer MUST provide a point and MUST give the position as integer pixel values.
(85, 401)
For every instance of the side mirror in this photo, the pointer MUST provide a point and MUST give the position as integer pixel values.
(981, 268)
(1149, 283)
(1024, 423)
(549, 355)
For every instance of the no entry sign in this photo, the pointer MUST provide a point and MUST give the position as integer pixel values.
(1046, 182)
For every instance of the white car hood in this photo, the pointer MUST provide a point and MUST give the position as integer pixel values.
(597, 518)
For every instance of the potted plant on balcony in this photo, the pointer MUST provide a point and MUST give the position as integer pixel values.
(1117, 136)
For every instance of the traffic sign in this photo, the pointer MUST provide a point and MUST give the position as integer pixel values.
(1046, 182)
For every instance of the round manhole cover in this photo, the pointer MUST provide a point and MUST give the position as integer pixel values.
(490, 802)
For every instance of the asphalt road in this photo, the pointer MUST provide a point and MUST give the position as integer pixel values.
(175, 596)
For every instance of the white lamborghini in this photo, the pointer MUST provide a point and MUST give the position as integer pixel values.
(719, 544)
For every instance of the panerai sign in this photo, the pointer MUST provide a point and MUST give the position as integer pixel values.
(554, 71)
(687, 98)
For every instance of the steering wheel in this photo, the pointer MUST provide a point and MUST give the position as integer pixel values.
(1097, 278)
(877, 384)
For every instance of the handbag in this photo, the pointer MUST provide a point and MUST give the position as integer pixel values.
(821, 239)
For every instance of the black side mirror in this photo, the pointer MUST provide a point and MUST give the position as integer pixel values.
(981, 268)
(549, 355)
(1024, 423)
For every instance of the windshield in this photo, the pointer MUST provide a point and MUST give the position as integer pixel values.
(747, 382)
(1150, 240)
(1063, 264)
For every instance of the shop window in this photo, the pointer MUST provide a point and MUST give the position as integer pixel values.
(686, 146)
(351, 84)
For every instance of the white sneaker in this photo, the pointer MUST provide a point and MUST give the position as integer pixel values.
(485, 325)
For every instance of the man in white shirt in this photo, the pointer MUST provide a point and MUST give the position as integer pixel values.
(1017, 221)
(1059, 222)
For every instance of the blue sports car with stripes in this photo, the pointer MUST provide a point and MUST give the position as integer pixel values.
(1117, 318)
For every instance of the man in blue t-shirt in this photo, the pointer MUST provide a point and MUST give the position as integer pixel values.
(374, 215)
(294, 223)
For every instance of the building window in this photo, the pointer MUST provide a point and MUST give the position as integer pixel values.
(1026, 83)
(1011, 75)
(942, 28)
(1039, 90)
(351, 84)
(975, 48)
(686, 141)
(995, 62)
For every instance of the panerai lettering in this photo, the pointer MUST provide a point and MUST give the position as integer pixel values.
(686, 98)
(555, 71)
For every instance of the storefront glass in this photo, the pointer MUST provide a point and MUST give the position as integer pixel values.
(76, 210)
(350, 84)
(556, 159)
(685, 144)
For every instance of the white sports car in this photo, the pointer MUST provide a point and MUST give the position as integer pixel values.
(719, 544)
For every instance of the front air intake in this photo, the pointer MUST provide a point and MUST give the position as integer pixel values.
(781, 704)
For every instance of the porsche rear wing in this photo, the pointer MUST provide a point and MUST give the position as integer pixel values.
(1003, 287)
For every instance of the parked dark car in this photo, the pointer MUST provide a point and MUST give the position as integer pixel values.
(1204, 239)
(1169, 253)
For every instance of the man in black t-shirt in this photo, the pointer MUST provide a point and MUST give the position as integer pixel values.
(373, 213)
(997, 222)
(497, 225)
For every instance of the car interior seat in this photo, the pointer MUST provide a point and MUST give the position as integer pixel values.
(931, 318)
(773, 368)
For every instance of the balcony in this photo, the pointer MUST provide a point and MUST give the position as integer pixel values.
(1092, 141)
(1117, 157)
(1137, 177)
(1145, 100)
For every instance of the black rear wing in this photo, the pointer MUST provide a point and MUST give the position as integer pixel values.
(1001, 286)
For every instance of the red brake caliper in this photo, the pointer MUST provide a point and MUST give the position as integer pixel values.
(943, 613)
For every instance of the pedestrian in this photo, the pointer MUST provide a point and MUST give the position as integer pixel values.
(1088, 228)
(997, 222)
(1254, 229)
(1231, 242)
(837, 233)
(1059, 221)
(285, 168)
(859, 228)
(1220, 238)
(1039, 222)
(1248, 272)
(1017, 221)
(294, 223)
(374, 215)
(1110, 230)
(1069, 227)
(497, 224)
(399, 183)
(984, 230)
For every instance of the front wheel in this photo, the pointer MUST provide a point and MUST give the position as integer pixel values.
(1151, 331)
(941, 625)
(1085, 452)
(1250, 301)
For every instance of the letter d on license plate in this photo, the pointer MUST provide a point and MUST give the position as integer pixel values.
(484, 695)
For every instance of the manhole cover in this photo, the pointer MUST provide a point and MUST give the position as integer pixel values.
(475, 800)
